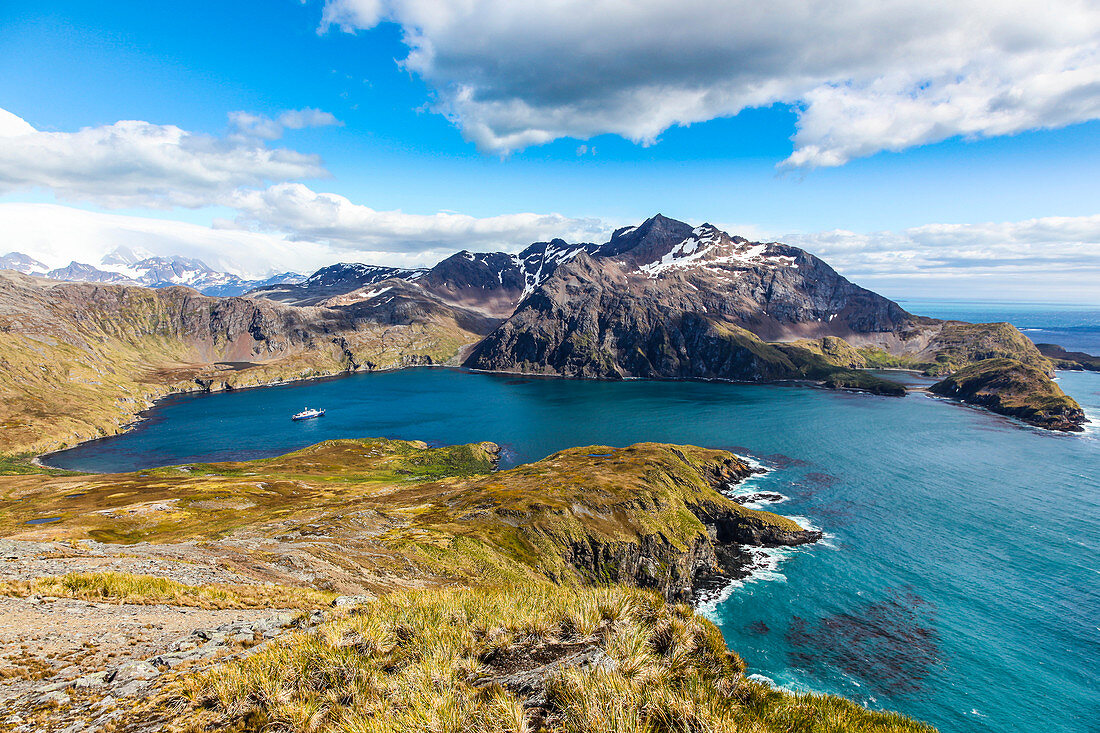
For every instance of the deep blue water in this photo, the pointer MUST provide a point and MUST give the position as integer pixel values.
(1073, 327)
(961, 579)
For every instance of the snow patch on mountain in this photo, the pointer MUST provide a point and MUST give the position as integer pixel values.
(715, 250)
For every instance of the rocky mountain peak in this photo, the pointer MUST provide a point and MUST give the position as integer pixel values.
(647, 242)
(709, 247)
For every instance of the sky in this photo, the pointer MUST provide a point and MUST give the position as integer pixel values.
(924, 148)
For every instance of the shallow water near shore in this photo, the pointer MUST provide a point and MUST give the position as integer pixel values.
(959, 581)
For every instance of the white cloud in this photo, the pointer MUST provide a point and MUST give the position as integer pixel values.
(267, 128)
(866, 75)
(333, 219)
(302, 231)
(140, 164)
(1056, 258)
(57, 235)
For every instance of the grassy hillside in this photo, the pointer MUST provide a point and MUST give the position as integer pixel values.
(588, 660)
(79, 360)
(381, 508)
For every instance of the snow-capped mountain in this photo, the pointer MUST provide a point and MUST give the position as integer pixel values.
(80, 272)
(493, 283)
(332, 281)
(354, 273)
(129, 267)
(22, 263)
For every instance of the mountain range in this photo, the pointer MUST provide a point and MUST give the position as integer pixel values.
(123, 266)
(663, 299)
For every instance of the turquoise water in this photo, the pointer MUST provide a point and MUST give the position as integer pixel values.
(960, 582)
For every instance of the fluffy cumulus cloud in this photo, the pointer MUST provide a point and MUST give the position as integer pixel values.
(864, 75)
(133, 164)
(344, 225)
(1055, 258)
(140, 164)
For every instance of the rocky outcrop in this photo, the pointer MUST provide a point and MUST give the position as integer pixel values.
(1011, 388)
(1071, 360)
(597, 319)
(649, 515)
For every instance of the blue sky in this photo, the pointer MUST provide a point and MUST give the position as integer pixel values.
(403, 143)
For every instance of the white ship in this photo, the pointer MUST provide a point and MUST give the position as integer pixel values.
(308, 414)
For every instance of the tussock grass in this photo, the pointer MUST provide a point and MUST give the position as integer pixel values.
(150, 590)
(439, 661)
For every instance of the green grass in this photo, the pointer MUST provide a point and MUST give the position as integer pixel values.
(151, 590)
(435, 660)
(961, 344)
(443, 513)
(23, 465)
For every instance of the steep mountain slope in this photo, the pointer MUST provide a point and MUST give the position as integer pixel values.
(79, 360)
(666, 299)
